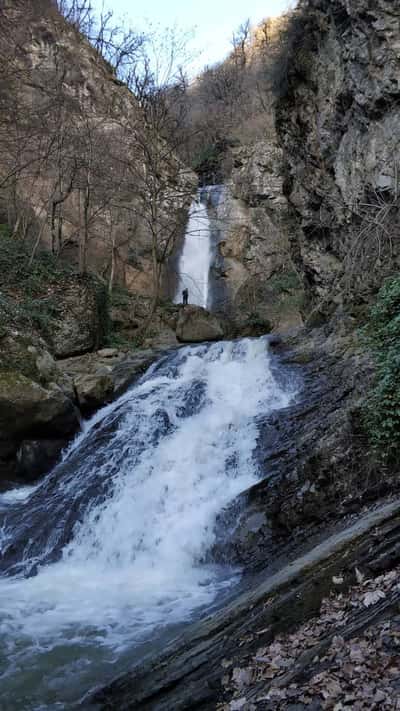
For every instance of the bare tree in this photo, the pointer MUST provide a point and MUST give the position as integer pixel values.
(240, 43)
(160, 194)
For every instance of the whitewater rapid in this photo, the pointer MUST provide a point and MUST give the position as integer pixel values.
(112, 546)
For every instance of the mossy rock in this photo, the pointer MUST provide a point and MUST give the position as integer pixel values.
(26, 407)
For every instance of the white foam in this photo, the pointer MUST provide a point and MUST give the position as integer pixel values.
(135, 560)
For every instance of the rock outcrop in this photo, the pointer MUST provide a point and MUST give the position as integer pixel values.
(98, 378)
(36, 405)
(338, 121)
(81, 320)
(196, 324)
(201, 668)
(42, 399)
(262, 289)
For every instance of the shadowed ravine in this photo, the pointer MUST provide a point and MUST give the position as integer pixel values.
(109, 550)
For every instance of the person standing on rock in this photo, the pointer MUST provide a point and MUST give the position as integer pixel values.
(185, 297)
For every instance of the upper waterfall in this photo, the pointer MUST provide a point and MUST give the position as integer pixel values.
(195, 260)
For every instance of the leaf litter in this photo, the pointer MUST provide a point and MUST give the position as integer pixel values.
(360, 674)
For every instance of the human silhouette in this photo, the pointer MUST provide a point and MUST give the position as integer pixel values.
(185, 297)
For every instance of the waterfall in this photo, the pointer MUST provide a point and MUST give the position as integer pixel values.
(111, 548)
(195, 260)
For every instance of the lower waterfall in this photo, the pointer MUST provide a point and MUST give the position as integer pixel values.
(109, 551)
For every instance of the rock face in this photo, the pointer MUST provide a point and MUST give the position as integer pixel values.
(196, 324)
(36, 405)
(82, 319)
(338, 121)
(50, 63)
(262, 290)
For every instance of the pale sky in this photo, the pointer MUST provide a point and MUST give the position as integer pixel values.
(212, 20)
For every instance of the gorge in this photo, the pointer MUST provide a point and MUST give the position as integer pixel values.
(125, 522)
(199, 504)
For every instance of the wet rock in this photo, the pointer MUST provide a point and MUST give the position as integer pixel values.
(195, 325)
(37, 400)
(195, 669)
(312, 456)
(36, 457)
(93, 391)
(26, 406)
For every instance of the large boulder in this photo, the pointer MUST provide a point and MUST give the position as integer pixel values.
(100, 377)
(82, 320)
(93, 390)
(37, 405)
(27, 406)
(195, 324)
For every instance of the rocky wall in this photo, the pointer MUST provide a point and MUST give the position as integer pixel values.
(338, 123)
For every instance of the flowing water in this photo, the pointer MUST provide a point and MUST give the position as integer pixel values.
(108, 553)
(195, 261)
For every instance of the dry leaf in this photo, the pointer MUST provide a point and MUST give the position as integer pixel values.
(237, 704)
(337, 580)
(242, 677)
(371, 598)
(359, 576)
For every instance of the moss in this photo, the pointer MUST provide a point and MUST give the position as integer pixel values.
(285, 281)
(12, 383)
(17, 352)
(26, 295)
(120, 297)
(117, 340)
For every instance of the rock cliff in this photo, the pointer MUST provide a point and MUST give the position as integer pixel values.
(338, 121)
(263, 289)
(73, 145)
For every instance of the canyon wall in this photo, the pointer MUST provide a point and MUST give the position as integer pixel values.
(338, 123)
(314, 205)
(263, 288)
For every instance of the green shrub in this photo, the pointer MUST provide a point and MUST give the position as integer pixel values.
(23, 286)
(207, 162)
(382, 335)
(286, 281)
